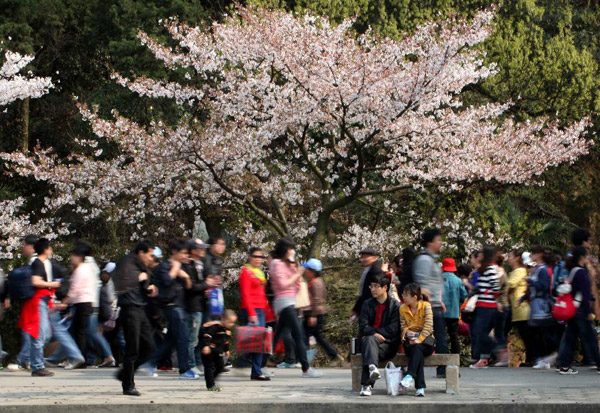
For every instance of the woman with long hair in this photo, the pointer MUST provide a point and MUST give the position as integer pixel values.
(517, 288)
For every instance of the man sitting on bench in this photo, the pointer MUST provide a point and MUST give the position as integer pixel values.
(379, 331)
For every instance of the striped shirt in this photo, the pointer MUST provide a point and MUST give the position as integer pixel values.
(488, 287)
(421, 321)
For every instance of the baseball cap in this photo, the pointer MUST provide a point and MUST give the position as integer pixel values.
(109, 267)
(313, 264)
(526, 258)
(197, 244)
(157, 252)
(368, 251)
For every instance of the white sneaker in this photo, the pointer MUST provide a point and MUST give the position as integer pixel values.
(551, 359)
(73, 365)
(311, 373)
(420, 393)
(374, 374)
(15, 367)
(408, 382)
(197, 371)
(267, 373)
(366, 391)
(541, 365)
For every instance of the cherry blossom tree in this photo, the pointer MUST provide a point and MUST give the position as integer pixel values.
(293, 119)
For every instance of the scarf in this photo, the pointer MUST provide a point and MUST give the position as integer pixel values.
(258, 273)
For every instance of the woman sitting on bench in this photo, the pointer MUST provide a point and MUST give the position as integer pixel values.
(416, 319)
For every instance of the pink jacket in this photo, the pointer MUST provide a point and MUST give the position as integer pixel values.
(83, 285)
(280, 272)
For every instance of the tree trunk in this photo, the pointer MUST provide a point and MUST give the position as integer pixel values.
(318, 238)
(24, 130)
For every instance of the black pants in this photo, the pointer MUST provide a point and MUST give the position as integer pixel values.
(373, 352)
(316, 332)
(439, 332)
(288, 318)
(213, 366)
(578, 326)
(546, 339)
(81, 318)
(452, 328)
(416, 362)
(526, 335)
(138, 342)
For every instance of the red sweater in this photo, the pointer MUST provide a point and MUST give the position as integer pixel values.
(252, 292)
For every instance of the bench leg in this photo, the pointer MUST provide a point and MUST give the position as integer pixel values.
(356, 373)
(452, 380)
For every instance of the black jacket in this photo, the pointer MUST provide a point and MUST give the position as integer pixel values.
(170, 290)
(365, 294)
(130, 291)
(195, 300)
(390, 320)
(216, 337)
(213, 264)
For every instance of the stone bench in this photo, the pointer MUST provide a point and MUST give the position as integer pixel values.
(452, 361)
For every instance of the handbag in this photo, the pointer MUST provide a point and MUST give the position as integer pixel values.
(393, 377)
(302, 298)
(566, 305)
(467, 310)
(253, 339)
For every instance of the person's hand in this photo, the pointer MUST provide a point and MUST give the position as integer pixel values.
(152, 291)
(253, 319)
(379, 337)
(54, 284)
(143, 276)
(499, 307)
(415, 340)
(228, 354)
(175, 266)
(385, 267)
(59, 306)
(213, 281)
(182, 274)
(206, 350)
(591, 316)
(443, 307)
(311, 321)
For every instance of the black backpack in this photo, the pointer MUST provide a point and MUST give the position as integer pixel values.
(19, 283)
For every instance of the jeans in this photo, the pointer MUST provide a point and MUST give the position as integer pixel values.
(96, 341)
(316, 332)
(67, 348)
(24, 358)
(256, 358)
(288, 318)
(177, 336)
(500, 328)
(452, 328)
(416, 361)
(578, 326)
(439, 332)
(44, 333)
(194, 324)
(138, 342)
(373, 352)
(484, 323)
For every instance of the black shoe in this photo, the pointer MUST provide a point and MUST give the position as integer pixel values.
(261, 378)
(42, 373)
(132, 392)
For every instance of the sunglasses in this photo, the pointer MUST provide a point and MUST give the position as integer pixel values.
(262, 257)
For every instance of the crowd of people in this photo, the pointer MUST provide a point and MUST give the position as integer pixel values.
(137, 312)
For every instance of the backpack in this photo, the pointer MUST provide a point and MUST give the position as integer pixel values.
(566, 305)
(19, 283)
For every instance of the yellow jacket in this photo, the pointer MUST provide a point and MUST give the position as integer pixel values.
(421, 321)
(517, 285)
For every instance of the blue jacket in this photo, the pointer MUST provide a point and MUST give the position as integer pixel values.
(454, 294)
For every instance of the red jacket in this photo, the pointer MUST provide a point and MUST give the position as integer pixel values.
(252, 292)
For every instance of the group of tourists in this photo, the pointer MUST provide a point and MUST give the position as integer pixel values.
(136, 312)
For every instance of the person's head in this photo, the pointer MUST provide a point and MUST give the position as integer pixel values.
(178, 251)
(464, 270)
(145, 251)
(488, 256)
(228, 319)
(581, 237)
(475, 259)
(28, 245)
(577, 258)
(216, 245)
(412, 294)
(431, 240)
(79, 252)
(256, 257)
(379, 287)
(42, 247)
(449, 265)
(537, 254)
(515, 258)
(106, 272)
(367, 256)
(197, 248)
(284, 250)
(396, 264)
(548, 258)
(313, 268)
(500, 257)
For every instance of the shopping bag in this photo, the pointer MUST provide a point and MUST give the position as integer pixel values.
(302, 298)
(253, 339)
(393, 377)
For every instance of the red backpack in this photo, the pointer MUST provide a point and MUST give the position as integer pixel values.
(566, 305)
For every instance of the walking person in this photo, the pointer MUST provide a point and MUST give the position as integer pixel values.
(428, 275)
(517, 288)
(286, 284)
(133, 285)
(253, 303)
(580, 326)
(216, 338)
(453, 296)
(501, 328)
(416, 319)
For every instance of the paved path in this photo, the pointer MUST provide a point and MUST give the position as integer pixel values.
(519, 387)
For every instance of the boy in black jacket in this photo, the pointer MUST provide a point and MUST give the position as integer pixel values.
(379, 328)
(216, 337)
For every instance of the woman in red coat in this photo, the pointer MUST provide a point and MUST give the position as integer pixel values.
(254, 304)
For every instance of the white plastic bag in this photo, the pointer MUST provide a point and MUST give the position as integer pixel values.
(471, 304)
(393, 377)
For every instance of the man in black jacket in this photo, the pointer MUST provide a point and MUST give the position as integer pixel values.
(372, 270)
(379, 329)
(133, 285)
